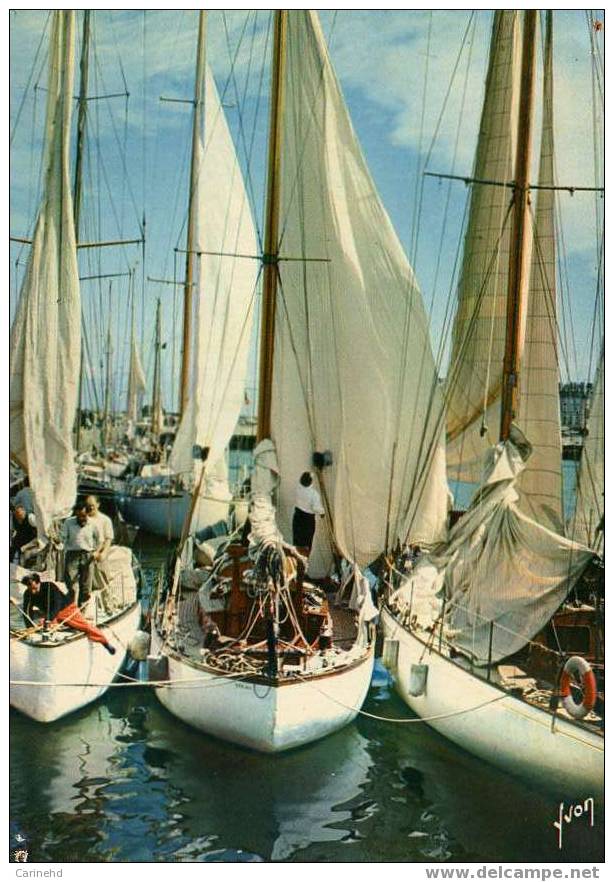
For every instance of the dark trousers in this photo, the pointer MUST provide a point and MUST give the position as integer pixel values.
(79, 566)
(303, 528)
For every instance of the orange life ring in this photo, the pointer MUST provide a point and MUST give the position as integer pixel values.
(580, 669)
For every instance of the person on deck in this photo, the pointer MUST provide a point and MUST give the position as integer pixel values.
(308, 504)
(24, 530)
(82, 541)
(46, 599)
(103, 522)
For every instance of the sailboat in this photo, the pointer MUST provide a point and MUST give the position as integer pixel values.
(217, 325)
(483, 638)
(272, 661)
(54, 669)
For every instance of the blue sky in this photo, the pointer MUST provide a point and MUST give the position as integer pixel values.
(138, 151)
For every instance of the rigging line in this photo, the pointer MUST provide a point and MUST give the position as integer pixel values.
(420, 183)
(451, 386)
(565, 291)
(255, 212)
(212, 124)
(421, 469)
(121, 150)
(239, 103)
(30, 77)
(597, 311)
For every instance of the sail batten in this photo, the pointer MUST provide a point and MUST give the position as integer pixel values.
(340, 319)
(46, 335)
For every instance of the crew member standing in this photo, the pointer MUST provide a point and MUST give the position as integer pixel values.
(47, 599)
(82, 541)
(103, 522)
(308, 505)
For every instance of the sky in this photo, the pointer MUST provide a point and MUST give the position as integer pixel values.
(413, 82)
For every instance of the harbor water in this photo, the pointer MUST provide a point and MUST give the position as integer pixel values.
(123, 780)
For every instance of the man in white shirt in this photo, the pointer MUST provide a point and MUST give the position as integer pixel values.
(82, 541)
(103, 522)
(308, 504)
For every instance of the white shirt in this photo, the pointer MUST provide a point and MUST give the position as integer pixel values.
(104, 524)
(80, 538)
(308, 500)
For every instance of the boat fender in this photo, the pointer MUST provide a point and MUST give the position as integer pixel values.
(580, 669)
(157, 667)
(417, 680)
(390, 655)
(139, 646)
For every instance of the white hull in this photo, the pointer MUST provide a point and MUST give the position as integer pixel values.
(265, 718)
(60, 667)
(509, 732)
(165, 515)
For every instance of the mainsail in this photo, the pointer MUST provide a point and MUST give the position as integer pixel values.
(346, 299)
(226, 292)
(474, 377)
(136, 383)
(587, 522)
(538, 416)
(46, 336)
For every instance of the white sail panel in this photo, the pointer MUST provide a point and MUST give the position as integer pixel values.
(346, 298)
(46, 335)
(226, 291)
(540, 486)
(136, 382)
(587, 522)
(478, 342)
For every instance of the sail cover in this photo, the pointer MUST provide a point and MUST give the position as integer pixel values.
(348, 311)
(46, 336)
(540, 485)
(226, 291)
(587, 523)
(478, 341)
(499, 567)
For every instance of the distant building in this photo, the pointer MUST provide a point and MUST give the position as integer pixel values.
(574, 398)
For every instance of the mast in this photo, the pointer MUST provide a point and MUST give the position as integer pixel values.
(107, 382)
(520, 228)
(271, 239)
(81, 121)
(199, 92)
(155, 401)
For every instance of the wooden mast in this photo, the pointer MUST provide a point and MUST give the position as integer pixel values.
(81, 121)
(199, 96)
(271, 238)
(520, 228)
(155, 399)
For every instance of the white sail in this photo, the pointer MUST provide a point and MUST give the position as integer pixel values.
(474, 377)
(136, 383)
(538, 416)
(45, 338)
(587, 522)
(226, 291)
(346, 296)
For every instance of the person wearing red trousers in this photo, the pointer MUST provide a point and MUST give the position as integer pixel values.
(46, 599)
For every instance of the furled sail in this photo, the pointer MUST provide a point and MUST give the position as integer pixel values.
(500, 569)
(46, 335)
(136, 383)
(478, 344)
(226, 292)
(587, 522)
(347, 307)
(538, 416)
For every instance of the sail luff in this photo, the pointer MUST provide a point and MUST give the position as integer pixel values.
(478, 339)
(46, 335)
(538, 407)
(344, 292)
